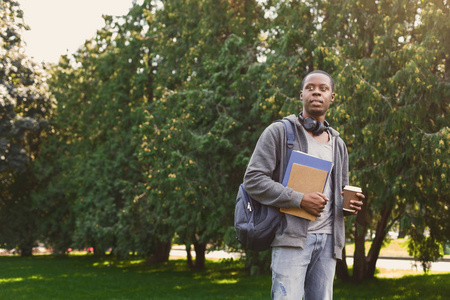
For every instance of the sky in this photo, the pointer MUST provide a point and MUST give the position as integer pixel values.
(60, 27)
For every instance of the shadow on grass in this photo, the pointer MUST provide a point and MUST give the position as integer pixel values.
(88, 277)
(436, 286)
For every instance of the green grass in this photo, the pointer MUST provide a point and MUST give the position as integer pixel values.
(407, 287)
(87, 277)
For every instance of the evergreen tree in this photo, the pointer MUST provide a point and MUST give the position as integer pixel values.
(91, 152)
(157, 117)
(25, 106)
(192, 127)
(391, 63)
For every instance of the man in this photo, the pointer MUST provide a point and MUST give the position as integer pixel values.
(304, 252)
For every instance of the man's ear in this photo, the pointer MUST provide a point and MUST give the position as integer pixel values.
(333, 95)
(301, 95)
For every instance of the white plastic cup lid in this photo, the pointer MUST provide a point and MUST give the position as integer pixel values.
(353, 188)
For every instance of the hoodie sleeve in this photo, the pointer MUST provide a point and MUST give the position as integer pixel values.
(265, 170)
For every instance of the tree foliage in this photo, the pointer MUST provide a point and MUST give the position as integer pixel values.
(192, 127)
(25, 107)
(92, 151)
(158, 114)
(392, 69)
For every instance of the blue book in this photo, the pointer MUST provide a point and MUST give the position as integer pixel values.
(307, 160)
(306, 173)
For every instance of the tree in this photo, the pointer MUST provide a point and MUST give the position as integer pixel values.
(92, 151)
(391, 67)
(192, 127)
(389, 62)
(157, 117)
(25, 107)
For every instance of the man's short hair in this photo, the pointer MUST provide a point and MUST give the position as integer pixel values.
(319, 72)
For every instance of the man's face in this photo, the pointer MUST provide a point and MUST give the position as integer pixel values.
(316, 95)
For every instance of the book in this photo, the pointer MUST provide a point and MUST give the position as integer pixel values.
(305, 173)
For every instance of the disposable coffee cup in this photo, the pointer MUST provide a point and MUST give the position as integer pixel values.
(349, 194)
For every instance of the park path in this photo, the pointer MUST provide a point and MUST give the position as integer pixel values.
(407, 263)
(390, 263)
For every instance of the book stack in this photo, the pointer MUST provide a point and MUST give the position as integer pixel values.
(305, 173)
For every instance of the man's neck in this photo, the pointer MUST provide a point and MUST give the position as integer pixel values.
(322, 138)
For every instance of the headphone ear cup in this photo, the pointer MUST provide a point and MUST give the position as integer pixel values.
(319, 129)
(310, 124)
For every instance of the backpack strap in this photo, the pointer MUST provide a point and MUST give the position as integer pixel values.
(290, 135)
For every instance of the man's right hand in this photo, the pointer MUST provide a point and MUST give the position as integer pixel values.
(314, 203)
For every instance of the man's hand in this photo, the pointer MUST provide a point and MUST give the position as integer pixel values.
(314, 203)
(356, 203)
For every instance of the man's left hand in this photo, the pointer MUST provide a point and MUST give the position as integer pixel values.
(356, 203)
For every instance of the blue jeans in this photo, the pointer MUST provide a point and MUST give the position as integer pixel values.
(304, 272)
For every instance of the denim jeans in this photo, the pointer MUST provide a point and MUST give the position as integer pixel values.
(304, 272)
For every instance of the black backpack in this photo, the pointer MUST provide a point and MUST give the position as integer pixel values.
(255, 223)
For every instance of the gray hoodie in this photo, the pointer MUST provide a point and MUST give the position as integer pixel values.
(264, 174)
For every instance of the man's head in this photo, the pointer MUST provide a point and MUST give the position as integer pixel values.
(317, 94)
(320, 72)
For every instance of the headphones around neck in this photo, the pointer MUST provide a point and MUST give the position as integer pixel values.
(312, 125)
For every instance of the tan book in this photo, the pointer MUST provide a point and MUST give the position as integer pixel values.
(305, 174)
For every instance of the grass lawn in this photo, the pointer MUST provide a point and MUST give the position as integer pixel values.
(87, 277)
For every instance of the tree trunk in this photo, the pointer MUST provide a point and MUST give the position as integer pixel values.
(342, 268)
(374, 251)
(189, 256)
(258, 262)
(26, 250)
(97, 251)
(162, 252)
(200, 249)
(359, 257)
(27, 242)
